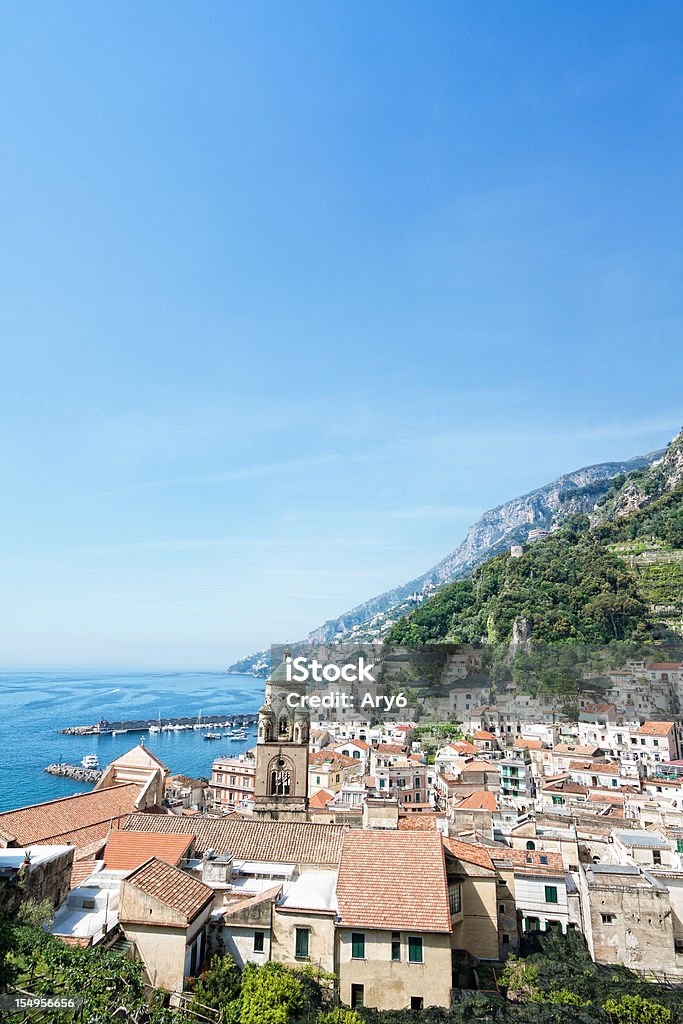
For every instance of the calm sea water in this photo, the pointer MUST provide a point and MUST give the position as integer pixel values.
(33, 706)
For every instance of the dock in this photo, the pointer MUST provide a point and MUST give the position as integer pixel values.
(213, 720)
(75, 772)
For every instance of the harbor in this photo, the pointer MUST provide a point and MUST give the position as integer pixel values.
(154, 725)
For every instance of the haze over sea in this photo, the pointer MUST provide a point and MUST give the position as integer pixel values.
(35, 705)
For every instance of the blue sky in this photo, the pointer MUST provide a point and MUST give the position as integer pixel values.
(291, 292)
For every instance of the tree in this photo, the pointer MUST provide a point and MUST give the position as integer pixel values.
(636, 1010)
(339, 1016)
(219, 984)
(271, 994)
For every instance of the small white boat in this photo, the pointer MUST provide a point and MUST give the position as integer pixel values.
(90, 761)
(118, 732)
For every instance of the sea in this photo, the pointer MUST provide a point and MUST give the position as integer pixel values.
(34, 706)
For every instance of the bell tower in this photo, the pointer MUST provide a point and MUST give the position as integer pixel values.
(281, 786)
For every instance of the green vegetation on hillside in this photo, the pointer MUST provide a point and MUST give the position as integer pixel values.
(600, 583)
(569, 587)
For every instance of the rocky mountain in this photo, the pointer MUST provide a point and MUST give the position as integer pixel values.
(544, 509)
(612, 575)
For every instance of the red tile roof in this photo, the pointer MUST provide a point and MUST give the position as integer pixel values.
(528, 743)
(289, 842)
(390, 748)
(320, 799)
(531, 860)
(348, 743)
(329, 756)
(126, 851)
(172, 887)
(393, 880)
(471, 853)
(424, 821)
(480, 800)
(482, 734)
(654, 729)
(80, 819)
(575, 749)
(463, 747)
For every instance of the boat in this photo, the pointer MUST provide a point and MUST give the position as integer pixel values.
(118, 732)
(90, 761)
(212, 736)
(157, 727)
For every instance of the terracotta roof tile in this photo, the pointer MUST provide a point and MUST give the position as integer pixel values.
(471, 853)
(390, 748)
(81, 870)
(292, 842)
(172, 887)
(424, 821)
(528, 743)
(127, 850)
(329, 756)
(480, 800)
(321, 798)
(654, 729)
(482, 734)
(536, 860)
(393, 880)
(80, 819)
(462, 747)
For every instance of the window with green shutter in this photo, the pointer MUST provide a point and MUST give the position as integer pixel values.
(395, 946)
(551, 894)
(301, 942)
(415, 949)
(358, 945)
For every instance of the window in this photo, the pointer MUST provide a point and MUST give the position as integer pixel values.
(416, 1003)
(656, 856)
(317, 780)
(506, 939)
(259, 941)
(532, 924)
(501, 908)
(551, 894)
(357, 996)
(301, 943)
(395, 946)
(615, 782)
(531, 845)
(543, 858)
(455, 897)
(415, 949)
(656, 742)
(607, 918)
(358, 945)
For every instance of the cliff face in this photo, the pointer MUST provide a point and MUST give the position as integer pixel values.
(662, 475)
(510, 523)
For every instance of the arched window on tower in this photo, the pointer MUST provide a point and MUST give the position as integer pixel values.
(283, 726)
(280, 778)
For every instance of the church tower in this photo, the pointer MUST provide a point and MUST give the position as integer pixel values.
(281, 787)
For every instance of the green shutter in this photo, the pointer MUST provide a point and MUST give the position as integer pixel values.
(551, 894)
(415, 949)
(301, 948)
(358, 945)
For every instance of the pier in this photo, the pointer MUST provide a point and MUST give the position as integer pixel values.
(75, 771)
(213, 720)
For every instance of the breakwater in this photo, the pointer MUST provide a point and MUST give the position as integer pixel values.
(75, 772)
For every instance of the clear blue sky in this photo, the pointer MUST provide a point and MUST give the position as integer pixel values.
(290, 292)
